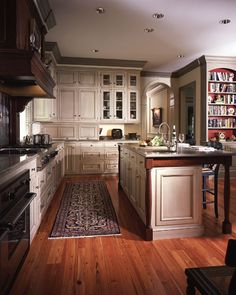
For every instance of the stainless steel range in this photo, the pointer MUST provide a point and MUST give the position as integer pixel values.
(15, 199)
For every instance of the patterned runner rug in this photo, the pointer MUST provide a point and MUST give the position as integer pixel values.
(86, 210)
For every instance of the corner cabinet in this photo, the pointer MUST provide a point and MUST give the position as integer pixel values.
(221, 104)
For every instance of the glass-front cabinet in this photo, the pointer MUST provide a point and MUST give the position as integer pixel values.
(133, 106)
(112, 105)
(133, 81)
(109, 79)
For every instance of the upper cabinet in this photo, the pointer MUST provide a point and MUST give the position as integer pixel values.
(77, 78)
(91, 95)
(113, 79)
(221, 104)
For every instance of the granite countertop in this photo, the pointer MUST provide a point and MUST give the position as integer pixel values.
(163, 152)
(10, 162)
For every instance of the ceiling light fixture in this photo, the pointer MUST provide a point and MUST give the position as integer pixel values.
(180, 55)
(100, 10)
(148, 30)
(224, 21)
(95, 50)
(158, 15)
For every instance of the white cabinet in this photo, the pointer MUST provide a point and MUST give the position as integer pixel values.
(67, 104)
(133, 81)
(133, 106)
(44, 109)
(71, 157)
(87, 78)
(88, 132)
(113, 106)
(113, 79)
(78, 105)
(77, 78)
(87, 108)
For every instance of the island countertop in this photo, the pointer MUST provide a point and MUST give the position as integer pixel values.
(183, 152)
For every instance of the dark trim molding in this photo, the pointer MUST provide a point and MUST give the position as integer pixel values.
(63, 60)
(155, 74)
(189, 67)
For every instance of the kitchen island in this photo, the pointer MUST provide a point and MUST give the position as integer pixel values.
(164, 187)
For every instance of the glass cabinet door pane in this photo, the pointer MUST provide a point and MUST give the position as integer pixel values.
(106, 79)
(133, 80)
(119, 80)
(133, 105)
(119, 105)
(106, 105)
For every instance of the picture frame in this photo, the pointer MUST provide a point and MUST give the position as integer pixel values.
(156, 117)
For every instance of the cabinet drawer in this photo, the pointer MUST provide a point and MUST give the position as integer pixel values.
(111, 167)
(111, 154)
(91, 153)
(91, 167)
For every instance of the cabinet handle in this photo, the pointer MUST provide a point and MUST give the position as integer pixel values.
(74, 115)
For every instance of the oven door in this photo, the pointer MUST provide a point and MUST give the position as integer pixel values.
(14, 241)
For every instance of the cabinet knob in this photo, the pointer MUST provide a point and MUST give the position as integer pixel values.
(74, 115)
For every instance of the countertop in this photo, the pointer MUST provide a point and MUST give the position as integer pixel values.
(163, 152)
(10, 162)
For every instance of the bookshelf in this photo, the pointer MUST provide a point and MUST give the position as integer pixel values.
(221, 104)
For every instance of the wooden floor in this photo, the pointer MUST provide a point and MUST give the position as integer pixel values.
(122, 265)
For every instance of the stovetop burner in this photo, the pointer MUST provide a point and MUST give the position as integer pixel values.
(19, 150)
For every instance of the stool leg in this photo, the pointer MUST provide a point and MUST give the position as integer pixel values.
(204, 192)
(190, 290)
(216, 195)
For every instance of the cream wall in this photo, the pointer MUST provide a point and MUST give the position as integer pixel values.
(176, 84)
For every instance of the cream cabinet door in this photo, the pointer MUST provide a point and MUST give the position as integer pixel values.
(88, 132)
(67, 104)
(71, 158)
(87, 78)
(88, 105)
(43, 109)
(67, 78)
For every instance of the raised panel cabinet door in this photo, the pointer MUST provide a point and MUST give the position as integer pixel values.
(70, 158)
(42, 109)
(87, 105)
(87, 78)
(67, 78)
(88, 132)
(67, 104)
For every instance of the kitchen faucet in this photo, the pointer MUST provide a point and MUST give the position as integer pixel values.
(164, 124)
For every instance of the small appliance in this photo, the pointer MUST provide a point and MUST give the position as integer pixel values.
(116, 133)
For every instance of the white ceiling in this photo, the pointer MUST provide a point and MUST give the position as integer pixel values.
(189, 27)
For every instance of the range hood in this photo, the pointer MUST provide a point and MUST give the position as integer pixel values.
(22, 74)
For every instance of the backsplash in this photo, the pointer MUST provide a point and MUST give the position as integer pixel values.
(4, 119)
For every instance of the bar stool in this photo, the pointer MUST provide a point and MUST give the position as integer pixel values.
(211, 170)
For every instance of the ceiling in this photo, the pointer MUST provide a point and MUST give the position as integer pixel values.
(189, 28)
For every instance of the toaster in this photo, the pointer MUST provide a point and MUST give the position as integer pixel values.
(116, 133)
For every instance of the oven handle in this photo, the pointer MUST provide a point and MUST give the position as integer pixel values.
(11, 218)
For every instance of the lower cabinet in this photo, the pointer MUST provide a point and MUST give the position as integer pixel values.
(91, 157)
(44, 183)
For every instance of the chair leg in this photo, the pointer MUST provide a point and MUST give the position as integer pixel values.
(204, 192)
(216, 195)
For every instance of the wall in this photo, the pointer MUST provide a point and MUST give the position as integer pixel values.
(4, 119)
(176, 84)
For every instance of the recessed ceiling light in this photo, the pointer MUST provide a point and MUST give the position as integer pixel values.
(100, 10)
(95, 50)
(158, 15)
(148, 30)
(224, 21)
(180, 55)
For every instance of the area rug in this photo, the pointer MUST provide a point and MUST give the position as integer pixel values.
(86, 210)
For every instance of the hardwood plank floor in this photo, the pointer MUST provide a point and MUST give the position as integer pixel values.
(120, 265)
